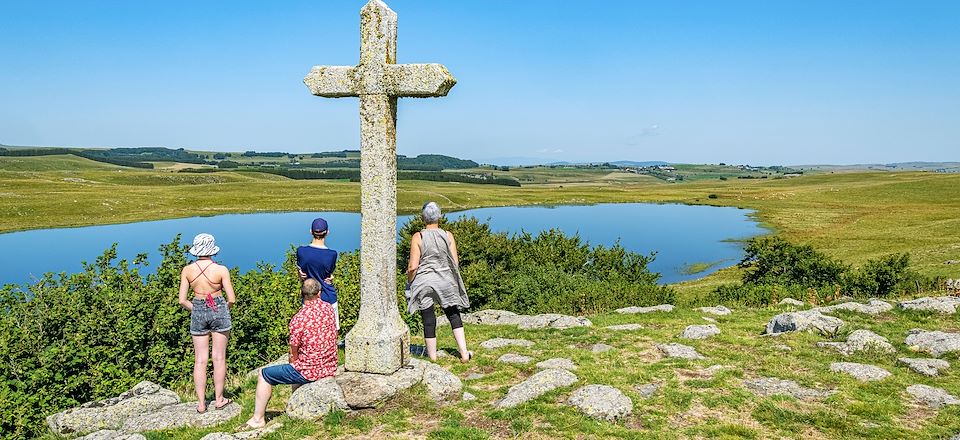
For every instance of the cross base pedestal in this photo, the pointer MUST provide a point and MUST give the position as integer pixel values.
(382, 351)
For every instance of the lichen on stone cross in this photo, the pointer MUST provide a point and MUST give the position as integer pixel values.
(379, 341)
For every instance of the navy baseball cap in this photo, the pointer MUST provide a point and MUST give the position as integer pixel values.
(319, 225)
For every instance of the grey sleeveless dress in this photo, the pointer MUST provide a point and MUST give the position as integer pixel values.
(438, 278)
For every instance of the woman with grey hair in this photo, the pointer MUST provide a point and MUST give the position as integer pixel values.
(433, 274)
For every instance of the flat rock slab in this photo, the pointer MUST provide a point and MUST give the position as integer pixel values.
(512, 358)
(635, 310)
(936, 343)
(872, 307)
(647, 390)
(861, 341)
(861, 372)
(944, 304)
(110, 414)
(495, 343)
(791, 302)
(803, 320)
(933, 397)
(244, 435)
(674, 350)
(561, 363)
(770, 386)
(718, 310)
(180, 415)
(601, 402)
(624, 327)
(700, 331)
(536, 386)
(708, 319)
(523, 322)
(600, 348)
(926, 367)
(109, 434)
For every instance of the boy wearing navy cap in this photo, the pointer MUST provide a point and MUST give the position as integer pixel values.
(317, 261)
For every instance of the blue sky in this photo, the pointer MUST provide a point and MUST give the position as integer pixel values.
(760, 82)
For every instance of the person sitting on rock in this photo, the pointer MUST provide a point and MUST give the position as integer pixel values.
(313, 351)
(433, 274)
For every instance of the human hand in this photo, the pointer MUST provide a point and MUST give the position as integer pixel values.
(329, 279)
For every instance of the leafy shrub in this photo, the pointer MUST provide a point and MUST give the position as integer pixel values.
(773, 260)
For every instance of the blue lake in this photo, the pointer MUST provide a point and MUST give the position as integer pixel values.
(680, 234)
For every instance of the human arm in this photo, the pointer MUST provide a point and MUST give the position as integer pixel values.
(453, 248)
(184, 290)
(228, 287)
(414, 262)
(294, 353)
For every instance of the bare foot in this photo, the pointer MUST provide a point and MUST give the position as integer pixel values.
(468, 358)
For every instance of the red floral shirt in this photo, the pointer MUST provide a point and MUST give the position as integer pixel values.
(314, 330)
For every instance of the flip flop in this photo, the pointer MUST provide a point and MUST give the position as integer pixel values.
(202, 412)
(218, 408)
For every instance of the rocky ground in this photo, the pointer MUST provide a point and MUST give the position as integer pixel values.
(848, 370)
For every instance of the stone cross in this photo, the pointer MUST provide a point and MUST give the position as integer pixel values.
(380, 341)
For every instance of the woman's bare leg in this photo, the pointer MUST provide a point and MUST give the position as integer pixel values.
(219, 365)
(431, 344)
(201, 350)
(461, 338)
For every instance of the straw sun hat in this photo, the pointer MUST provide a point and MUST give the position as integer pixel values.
(204, 246)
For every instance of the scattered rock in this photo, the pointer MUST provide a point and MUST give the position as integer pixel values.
(926, 367)
(111, 413)
(873, 307)
(468, 397)
(523, 322)
(932, 397)
(366, 390)
(624, 327)
(180, 415)
(633, 310)
(861, 372)
(511, 358)
(485, 317)
(601, 402)
(708, 319)
(790, 302)
(803, 320)
(536, 386)
(952, 284)
(109, 434)
(718, 310)
(244, 435)
(475, 376)
(561, 363)
(782, 347)
(944, 304)
(218, 436)
(442, 385)
(952, 262)
(769, 386)
(700, 331)
(681, 351)
(936, 343)
(648, 390)
(600, 348)
(502, 342)
(861, 340)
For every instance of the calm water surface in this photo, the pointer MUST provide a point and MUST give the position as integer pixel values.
(680, 234)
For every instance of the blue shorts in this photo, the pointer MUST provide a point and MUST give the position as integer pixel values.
(283, 374)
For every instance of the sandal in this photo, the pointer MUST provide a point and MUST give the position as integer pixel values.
(202, 412)
(227, 402)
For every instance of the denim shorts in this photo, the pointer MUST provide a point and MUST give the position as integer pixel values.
(204, 320)
(283, 374)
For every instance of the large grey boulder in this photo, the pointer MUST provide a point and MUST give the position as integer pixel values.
(861, 372)
(803, 320)
(316, 399)
(180, 415)
(674, 350)
(513, 358)
(624, 327)
(926, 367)
(109, 434)
(718, 310)
(111, 413)
(791, 302)
(485, 317)
(700, 331)
(770, 386)
(634, 310)
(932, 397)
(494, 343)
(601, 402)
(551, 320)
(442, 385)
(368, 390)
(561, 363)
(536, 386)
(872, 307)
(936, 343)
(860, 341)
(945, 304)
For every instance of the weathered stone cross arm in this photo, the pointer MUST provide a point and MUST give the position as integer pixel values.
(400, 80)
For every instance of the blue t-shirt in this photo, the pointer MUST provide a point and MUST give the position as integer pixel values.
(319, 264)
